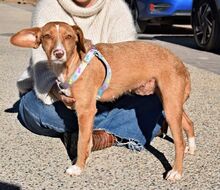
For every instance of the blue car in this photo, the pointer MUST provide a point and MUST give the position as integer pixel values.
(160, 12)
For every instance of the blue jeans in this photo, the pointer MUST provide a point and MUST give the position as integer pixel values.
(134, 118)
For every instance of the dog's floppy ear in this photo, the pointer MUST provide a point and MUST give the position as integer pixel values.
(30, 38)
(80, 36)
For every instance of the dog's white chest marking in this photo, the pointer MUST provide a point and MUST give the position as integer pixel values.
(61, 79)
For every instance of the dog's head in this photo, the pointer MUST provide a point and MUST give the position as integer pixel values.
(58, 39)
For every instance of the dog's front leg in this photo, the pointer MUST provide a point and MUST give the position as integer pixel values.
(85, 116)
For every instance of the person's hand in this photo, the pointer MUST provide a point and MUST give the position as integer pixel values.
(67, 100)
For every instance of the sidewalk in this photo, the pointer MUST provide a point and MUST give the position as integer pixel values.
(34, 162)
(32, 2)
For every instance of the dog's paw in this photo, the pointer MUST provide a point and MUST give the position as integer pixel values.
(190, 149)
(74, 170)
(173, 175)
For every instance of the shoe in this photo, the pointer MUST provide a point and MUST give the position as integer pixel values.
(101, 140)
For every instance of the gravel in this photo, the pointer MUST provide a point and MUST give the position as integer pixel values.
(30, 161)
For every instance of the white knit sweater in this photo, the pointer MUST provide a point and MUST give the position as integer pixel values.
(105, 21)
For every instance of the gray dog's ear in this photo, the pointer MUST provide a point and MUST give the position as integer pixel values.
(80, 36)
(30, 38)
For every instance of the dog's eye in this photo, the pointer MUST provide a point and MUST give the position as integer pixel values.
(68, 37)
(47, 36)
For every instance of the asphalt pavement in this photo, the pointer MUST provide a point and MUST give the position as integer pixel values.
(29, 161)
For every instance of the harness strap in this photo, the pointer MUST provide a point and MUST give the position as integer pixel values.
(85, 62)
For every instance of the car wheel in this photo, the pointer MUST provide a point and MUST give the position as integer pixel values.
(140, 25)
(206, 25)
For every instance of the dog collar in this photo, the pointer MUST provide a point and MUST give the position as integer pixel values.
(85, 62)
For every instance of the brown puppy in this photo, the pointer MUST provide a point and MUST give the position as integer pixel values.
(133, 65)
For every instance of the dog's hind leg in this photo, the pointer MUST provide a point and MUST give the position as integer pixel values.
(173, 106)
(187, 124)
(188, 127)
(173, 116)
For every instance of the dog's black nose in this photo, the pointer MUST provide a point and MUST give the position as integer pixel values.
(58, 53)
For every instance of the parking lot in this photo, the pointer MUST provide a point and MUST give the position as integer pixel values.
(34, 162)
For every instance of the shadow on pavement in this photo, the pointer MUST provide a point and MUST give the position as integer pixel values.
(13, 109)
(169, 30)
(174, 34)
(7, 186)
(186, 41)
(160, 156)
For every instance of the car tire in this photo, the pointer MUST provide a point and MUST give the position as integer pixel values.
(206, 25)
(140, 25)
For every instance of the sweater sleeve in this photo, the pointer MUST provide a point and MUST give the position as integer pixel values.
(122, 25)
(45, 11)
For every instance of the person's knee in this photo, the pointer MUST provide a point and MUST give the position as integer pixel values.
(29, 115)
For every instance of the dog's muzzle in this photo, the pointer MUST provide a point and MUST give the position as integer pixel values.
(58, 53)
